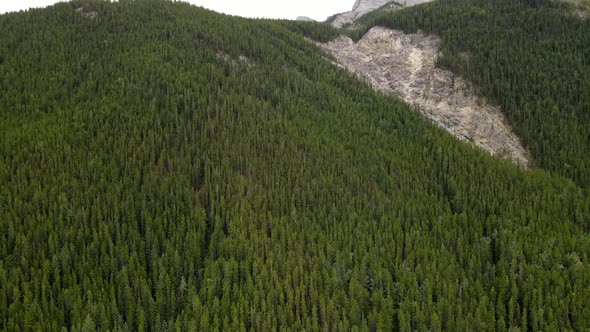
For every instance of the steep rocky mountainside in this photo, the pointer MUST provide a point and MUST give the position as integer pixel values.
(362, 7)
(404, 65)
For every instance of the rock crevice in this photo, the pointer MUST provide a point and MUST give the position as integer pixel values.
(404, 65)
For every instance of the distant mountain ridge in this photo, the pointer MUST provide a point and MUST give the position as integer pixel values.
(362, 7)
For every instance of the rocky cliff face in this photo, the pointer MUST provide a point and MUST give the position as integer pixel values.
(404, 65)
(361, 7)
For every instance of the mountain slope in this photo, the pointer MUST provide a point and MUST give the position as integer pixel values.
(527, 56)
(164, 167)
(404, 65)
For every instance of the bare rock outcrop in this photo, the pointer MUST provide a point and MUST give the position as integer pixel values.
(404, 65)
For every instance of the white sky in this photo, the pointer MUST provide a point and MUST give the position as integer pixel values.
(316, 9)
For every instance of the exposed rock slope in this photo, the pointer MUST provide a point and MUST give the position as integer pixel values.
(404, 65)
(361, 7)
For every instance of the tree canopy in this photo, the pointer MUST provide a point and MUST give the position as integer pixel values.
(165, 167)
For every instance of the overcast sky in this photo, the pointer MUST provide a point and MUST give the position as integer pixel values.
(316, 9)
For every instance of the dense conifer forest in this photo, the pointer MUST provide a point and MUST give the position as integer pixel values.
(164, 167)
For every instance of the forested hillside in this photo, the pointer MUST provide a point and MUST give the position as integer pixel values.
(164, 167)
(531, 57)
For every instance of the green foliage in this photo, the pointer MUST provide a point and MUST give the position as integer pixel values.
(164, 167)
(322, 32)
